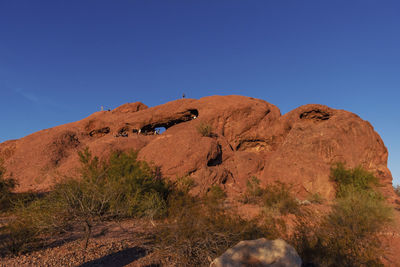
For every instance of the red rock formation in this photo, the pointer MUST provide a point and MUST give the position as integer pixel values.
(249, 138)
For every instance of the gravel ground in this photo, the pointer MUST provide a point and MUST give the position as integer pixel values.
(113, 244)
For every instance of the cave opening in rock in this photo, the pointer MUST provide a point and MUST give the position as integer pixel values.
(123, 132)
(152, 128)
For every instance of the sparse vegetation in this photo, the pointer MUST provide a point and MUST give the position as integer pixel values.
(253, 192)
(348, 235)
(204, 129)
(195, 230)
(275, 201)
(198, 230)
(278, 197)
(316, 198)
(6, 187)
(121, 187)
(184, 184)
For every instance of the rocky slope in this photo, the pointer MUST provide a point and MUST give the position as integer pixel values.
(249, 138)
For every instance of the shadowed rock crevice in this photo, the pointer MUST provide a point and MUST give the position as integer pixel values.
(99, 132)
(315, 115)
(123, 132)
(217, 160)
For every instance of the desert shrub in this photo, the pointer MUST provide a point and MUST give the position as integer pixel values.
(348, 235)
(253, 192)
(184, 184)
(215, 195)
(357, 177)
(121, 187)
(277, 197)
(6, 187)
(117, 188)
(33, 221)
(198, 230)
(275, 202)
(137, 191)
(204, 129)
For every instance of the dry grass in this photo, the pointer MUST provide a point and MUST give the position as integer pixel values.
(205, 129)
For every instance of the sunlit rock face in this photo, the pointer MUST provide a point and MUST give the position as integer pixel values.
(216, 140)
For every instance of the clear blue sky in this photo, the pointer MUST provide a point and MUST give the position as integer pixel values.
(61, 60)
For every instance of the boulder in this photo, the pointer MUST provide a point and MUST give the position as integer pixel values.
(261, 253)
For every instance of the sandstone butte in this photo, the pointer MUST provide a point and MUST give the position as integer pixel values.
(249, 137)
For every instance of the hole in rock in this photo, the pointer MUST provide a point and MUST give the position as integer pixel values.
(152, 128)
(159, 130)
(315, 115)
(194, 113)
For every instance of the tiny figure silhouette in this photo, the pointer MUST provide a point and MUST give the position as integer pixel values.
(183, 95)
(102, 108)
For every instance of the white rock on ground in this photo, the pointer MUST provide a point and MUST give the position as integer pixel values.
(260, 252)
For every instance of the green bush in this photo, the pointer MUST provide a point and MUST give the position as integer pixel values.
(204, 129)
(357, 177)
(348, 235)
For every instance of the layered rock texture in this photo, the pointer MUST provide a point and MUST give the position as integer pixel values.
(216, 140)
